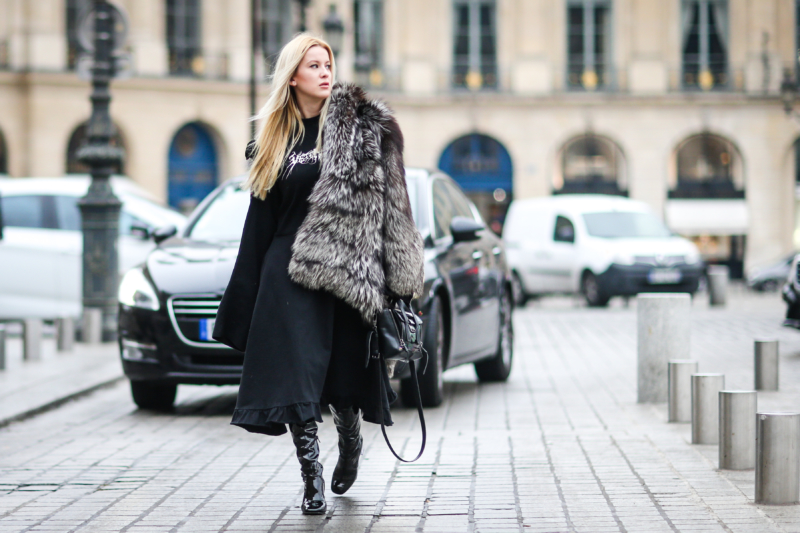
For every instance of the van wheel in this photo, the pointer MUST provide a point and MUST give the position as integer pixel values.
(431, 383)
(590, 289)
(153, 396)
(520, 298)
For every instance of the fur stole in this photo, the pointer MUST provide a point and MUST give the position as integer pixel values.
(359, 237)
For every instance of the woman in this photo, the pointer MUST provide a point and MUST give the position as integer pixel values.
(328, 233)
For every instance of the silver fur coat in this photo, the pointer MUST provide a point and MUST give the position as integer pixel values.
(359, 237)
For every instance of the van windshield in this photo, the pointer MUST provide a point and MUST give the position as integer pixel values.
(622, 225)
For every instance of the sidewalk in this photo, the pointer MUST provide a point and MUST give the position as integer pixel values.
(562, 447)
(30, 387)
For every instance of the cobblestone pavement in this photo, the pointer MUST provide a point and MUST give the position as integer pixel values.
(561, 447)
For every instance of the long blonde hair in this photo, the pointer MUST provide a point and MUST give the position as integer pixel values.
(280, 118)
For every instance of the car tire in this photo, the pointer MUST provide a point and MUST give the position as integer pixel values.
(153, 396)
(498, 367)
(769, 285)
(591, 291)
(431, 383)
(520, 298)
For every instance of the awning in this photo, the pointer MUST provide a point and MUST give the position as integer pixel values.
(708, 217)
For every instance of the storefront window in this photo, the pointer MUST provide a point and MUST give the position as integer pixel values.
(591, 165)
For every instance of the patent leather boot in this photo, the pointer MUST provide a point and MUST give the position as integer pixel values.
(307, 444)
(348, 424)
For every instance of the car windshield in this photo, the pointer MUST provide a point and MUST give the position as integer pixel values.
(223, 219)
(624, 224)
(413, 197)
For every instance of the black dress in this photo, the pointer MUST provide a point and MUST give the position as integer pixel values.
(303, 348)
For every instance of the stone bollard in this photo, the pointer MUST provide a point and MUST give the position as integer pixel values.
(717, 284)
(2, 346)
(92, 325)
(766, 364)
(662, 334)
(32, 339)
(778, 458)
(737, 429)
(705, 407)
(680, 389)
(65, 334)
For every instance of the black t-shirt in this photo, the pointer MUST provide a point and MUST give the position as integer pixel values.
(300, 173)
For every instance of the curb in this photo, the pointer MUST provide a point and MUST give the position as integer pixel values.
(59, 401)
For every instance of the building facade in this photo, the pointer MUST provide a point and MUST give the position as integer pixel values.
(673, 102)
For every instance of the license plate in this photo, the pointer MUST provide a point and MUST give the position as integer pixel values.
(207, 328)
(659, 276)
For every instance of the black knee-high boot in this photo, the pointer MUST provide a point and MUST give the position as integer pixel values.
(307, 444)
(348, 424)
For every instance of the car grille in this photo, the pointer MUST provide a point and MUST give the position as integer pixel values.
(660, 260)
(186, 313)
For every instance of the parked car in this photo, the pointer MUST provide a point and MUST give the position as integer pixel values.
(770, 277)
(42, 243)
(597, 245)
(169, 304)
(791, 295)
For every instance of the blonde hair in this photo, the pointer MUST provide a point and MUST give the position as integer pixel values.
(280, 118)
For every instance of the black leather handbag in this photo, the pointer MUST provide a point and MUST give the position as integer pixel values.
(397, 336)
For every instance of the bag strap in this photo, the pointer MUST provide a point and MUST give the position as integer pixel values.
(382, 392)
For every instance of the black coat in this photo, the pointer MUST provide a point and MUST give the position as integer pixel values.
(304, 336)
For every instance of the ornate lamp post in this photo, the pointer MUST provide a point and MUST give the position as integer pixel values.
(334, 30)
(100, 208)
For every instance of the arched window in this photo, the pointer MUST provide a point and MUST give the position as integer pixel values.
(3, 155)
(708, 166)
(79, 139)
(193, 167)
(591, 164)
(482, 167)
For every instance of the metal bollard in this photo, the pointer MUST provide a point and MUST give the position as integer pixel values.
(717, 284)
(679, 375)
(777, 458)
(2, 346)
(32, 339)
(65, 334)
(662, 334)
(92, 325)
(705, 407)
(737, 429)
(766, 364)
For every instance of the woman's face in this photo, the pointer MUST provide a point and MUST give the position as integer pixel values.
(313, 77)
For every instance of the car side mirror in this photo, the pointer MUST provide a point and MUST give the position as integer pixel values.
(465, 229)
(143, 231)
(162, 234)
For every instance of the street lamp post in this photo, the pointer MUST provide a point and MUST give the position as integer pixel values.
(334, 30)
(100, 208)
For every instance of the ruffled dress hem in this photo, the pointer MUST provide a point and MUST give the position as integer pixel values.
(273, 421)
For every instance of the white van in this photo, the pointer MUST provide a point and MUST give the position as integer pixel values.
(598, 245)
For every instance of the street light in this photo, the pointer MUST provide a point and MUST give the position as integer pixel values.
(334, 30)
(788, 92)
(100, 208)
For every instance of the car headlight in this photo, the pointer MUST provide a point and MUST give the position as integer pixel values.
(136, 291)
(692, 258)
(622, 259)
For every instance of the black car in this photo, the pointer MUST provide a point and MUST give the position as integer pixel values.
(771, 277)
(168, 305)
